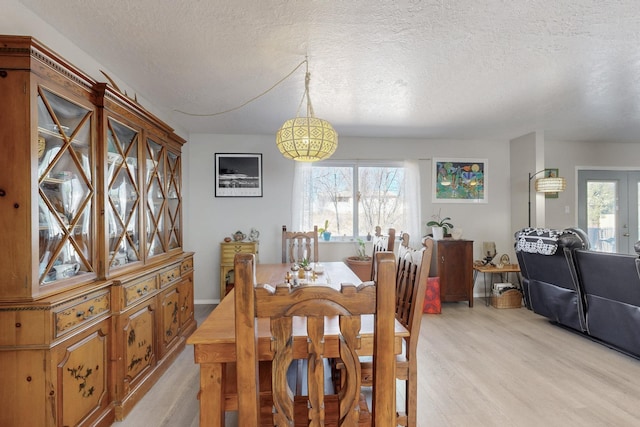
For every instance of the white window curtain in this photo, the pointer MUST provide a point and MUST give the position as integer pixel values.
(299, 205)
(412, 200)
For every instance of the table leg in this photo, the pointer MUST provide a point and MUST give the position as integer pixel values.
(487, 295)
(211, 397)
(484, 279)
(475, 279)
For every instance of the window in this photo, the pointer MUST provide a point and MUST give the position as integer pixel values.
(355, 197)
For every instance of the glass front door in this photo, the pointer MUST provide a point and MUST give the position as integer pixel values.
(608, 209)
(66, 188)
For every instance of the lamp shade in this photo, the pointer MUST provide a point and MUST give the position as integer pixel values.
(550, 185)
(307, 139)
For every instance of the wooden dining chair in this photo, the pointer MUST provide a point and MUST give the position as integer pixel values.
(295, 244)
(382, 242)
(411, 283)
(325, 338)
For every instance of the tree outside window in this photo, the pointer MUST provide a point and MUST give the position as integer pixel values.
(355, 197)
(601, 214)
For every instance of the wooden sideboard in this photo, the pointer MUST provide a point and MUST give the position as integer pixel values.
(228, 251)
(452, 262)
(97, 299)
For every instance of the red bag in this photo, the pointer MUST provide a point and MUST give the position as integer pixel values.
(432, 303)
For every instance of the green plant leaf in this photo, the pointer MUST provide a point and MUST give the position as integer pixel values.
(444, 222)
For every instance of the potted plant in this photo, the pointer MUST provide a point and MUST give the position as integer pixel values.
(303, 267)
(361, 262)
(439, 226)
(324, 232)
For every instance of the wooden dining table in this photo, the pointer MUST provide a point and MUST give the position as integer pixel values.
(214, 340)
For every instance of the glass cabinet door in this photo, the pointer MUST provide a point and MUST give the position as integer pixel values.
(123, 192)
(155, 174)
(174, 200)
(66, 188)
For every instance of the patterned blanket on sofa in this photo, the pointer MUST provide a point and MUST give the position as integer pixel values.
(538, 240)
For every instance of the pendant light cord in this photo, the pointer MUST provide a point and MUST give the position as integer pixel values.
(306, 93)
(307, 79)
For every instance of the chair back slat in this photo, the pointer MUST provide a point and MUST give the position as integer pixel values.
(295, 244)
(405, 287)
(281, 304)
(382, 243)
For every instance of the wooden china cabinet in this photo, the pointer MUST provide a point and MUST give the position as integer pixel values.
(96, 295)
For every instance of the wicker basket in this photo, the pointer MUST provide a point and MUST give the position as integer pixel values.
(509, 299)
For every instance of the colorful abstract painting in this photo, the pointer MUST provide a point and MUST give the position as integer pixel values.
(459, 180)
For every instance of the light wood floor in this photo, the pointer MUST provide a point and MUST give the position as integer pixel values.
(478, 366)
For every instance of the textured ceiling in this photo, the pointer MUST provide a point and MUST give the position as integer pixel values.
(424, 69)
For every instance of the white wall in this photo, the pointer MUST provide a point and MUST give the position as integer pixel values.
(529, 155)
(568, 157)
(210, 219)
(16, 19)
(522, 161)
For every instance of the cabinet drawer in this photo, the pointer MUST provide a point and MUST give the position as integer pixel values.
(169, 275)
(187, 265)
(23, 327)
(80, 311)
(229, 251)
(137, 290)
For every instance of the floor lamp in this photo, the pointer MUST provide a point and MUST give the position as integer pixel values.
(551, 184)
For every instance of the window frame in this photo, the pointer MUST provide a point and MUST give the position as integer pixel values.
(355, 165)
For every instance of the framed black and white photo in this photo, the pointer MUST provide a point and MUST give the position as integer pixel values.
(238, 175)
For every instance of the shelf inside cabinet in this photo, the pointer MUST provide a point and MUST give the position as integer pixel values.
(58, 135)
(53, 180)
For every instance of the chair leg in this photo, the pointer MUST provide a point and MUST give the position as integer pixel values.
(411, 401)
(407, 414)
(402, 418)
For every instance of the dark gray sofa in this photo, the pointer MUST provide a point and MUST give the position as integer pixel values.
(550, 285)
(611, 286)
(594, 293)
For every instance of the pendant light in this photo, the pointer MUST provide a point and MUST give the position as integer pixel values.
(307, 139)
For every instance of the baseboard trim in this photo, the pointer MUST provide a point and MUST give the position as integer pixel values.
(206, 301)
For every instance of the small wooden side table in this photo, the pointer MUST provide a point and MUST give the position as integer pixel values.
(228, 251)
(491, 270)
